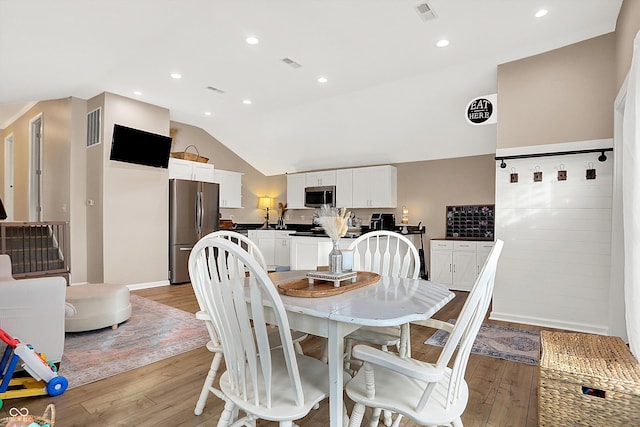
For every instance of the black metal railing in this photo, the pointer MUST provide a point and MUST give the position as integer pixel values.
(36, 248)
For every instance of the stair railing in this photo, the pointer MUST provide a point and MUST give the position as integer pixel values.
(36, 248)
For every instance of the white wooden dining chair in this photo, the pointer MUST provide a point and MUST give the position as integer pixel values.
(431, 394)
(265, 381)
(388, 254)
(214, 345)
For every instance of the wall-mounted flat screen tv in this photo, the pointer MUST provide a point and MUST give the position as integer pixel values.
(140, 147)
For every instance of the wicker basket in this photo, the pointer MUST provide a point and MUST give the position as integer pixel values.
(587, 380)
(49, 416)
(190, 156)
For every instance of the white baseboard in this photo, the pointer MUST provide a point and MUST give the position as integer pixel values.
(147, 285)
(550, 323)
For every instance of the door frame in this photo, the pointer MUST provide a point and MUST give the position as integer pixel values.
(9, 176)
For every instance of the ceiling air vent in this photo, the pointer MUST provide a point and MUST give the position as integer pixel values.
(425, 12)
(93, 127)
(290, 62)
(215, 89)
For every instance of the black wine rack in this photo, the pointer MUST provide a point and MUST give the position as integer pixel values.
(471, 222)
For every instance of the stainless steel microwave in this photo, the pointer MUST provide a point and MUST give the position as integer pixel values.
(315, 197)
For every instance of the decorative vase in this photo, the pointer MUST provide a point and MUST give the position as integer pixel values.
(335, 258)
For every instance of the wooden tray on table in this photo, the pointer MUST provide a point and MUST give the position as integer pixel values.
(324, 288)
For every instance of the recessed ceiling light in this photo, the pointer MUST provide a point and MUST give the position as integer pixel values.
(442, 43)
(137, 92)
(322, 79)
(252, 40)
(207, 113)
(541, 13)
(247, 102)
(176, 75)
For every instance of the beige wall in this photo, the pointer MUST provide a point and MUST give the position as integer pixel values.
(627, 27)
(94, 195)
(56, 120)
(135, 200)
(254, 183)
(427, 188)
(564, 95)
(78, 190)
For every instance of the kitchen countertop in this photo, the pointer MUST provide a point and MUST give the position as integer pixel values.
(305, 230)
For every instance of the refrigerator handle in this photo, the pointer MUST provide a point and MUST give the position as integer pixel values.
(198, 213)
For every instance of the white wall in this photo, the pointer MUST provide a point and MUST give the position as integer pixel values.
(555, 267)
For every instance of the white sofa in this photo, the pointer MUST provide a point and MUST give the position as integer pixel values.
(33, 311)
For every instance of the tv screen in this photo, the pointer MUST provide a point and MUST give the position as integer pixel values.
(140, 147)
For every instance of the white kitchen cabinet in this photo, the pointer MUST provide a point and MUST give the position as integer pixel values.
(295, 190)
(457, 263)
(375, 187)
(230, 188)
(273, 244)
(344, 188)
(307, 253)
(319, 179)
(192, 171)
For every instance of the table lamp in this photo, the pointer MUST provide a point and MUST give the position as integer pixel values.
(266, 203)
(405, 220)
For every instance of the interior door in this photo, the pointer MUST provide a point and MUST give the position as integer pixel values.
(7, 200)
(35, 176)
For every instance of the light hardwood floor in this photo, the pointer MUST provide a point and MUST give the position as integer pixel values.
(502, 393)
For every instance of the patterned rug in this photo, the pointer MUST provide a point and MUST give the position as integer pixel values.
(501, 342)
(154, 332)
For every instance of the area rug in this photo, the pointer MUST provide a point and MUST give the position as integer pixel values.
(501, 342)
(154, 332)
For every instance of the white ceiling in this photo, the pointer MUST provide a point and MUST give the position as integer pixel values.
(392, 96)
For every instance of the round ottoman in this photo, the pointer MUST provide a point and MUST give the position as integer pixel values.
(96, 306)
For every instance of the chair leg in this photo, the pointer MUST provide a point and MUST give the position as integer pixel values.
(457, 422)
(298, 348)
(208, 383)
(286, 423)
(356, 415)
(347, 354)
(226, 418)
(325, 349)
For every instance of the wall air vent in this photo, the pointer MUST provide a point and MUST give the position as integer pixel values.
(290, 62)
(93, 127)
(425, 12)
(215, 89)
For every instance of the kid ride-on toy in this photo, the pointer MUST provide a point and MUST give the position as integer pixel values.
(45, 378)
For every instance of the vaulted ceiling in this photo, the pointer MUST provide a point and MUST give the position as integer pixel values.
(391, 95)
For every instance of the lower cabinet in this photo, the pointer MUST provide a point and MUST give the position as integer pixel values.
(274, 245)
(457, 263)
(307, 253)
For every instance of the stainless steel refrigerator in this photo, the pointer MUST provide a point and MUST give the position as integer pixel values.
(193, 213)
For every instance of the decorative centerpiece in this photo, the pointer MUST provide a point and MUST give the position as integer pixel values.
(334, 222)
(282, 209)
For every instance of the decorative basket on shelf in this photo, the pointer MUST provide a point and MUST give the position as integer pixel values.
(22, 417)
(185, 155)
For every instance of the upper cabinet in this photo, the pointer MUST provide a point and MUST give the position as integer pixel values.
(192, 171)
(230, 188)
(370, 187)
(319, 179)
(295, 190)
(375, 187)
(344, 188)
